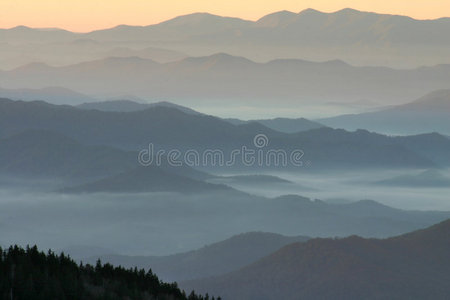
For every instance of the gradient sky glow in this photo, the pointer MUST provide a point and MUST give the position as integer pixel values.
(87, 15)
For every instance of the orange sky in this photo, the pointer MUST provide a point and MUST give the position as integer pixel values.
(86, 15)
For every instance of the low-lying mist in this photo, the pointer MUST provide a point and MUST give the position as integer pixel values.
(248, 110)
(127, 224)
(349, 186)
(167, 223)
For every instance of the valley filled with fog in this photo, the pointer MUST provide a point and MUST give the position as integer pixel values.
(339, 186)
(168, 223)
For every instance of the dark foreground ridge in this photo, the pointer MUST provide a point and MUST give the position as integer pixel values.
(29, 274)
(410, 266)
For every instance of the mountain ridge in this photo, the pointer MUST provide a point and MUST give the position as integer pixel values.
(362, 38)
(212, 259)
(210, 79)
(169, 128)
(353, 268)
(425, 114)
(347, 10)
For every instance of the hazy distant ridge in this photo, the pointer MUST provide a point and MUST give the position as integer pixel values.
(358, 37)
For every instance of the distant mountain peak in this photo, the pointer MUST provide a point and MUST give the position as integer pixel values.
(438, 101)
(439, 94)
(196, 15)
(125, 26)
(126, 105)
(198, 18)
(222, 55)
(336, 62)
(310, 11)
(369, 203)
(216, 59)
(276, 19)
(348, 11)
(21, 28)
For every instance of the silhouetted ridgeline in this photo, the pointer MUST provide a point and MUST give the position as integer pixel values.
(361, 38)
(30, 274)
(169, 128)
(429, 113)
(211, 260)
(210, 79)
(411, 266)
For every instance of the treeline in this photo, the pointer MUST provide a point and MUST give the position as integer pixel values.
(28, 274)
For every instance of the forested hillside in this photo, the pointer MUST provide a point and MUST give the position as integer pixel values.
(29, 274)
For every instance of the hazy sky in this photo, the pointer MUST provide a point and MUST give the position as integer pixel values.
(86, 15)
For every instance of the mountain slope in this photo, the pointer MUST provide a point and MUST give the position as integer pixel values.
(133, 130)
(180, 27)
(215, 259)
(130, 106)
(210, 79)
(430, 113)
(301, 34)
(47, 154)
(55, 95)
(361, 38)
(147, 179)
(283, 124)
(411, 266)
(40, 154)
(168, 128)
(50, 276)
